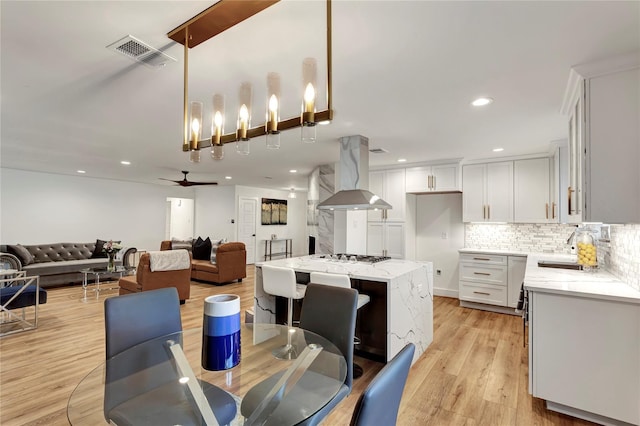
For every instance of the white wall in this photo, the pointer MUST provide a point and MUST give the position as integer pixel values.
(181, 218)
(38, 208)
(296, 227)
(216, 207)
(437, 214)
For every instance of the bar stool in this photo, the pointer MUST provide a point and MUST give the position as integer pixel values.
(279, 281)
(341, 280)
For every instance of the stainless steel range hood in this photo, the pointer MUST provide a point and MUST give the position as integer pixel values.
(354, 179)
(354, 199)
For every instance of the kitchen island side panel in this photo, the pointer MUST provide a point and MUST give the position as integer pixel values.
(410, 311)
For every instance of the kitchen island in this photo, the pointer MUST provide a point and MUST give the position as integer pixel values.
(401, 306)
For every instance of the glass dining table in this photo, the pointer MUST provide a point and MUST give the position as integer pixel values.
(129, 381)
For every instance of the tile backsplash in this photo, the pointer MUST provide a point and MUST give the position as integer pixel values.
(623, 259)
(525, 237)
(621, 256)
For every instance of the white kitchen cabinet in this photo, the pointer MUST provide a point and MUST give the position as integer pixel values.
(390, 186)
(532, 198)
(435, 178)
(386, 239)
(584, 356)
(491, 282)
(516, 268)
(487, 192)
(602, 103)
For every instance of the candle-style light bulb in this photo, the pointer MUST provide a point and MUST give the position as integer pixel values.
(244, 121)
(273, 114)
(309, 98)
(217, 120)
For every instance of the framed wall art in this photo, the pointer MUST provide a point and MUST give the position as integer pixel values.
(274, 212)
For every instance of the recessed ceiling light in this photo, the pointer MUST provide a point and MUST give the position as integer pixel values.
(402, 160)
(81, 171)
(482, 101)
(125, 163)
(498, 149)
(227, 177)
(293, 171)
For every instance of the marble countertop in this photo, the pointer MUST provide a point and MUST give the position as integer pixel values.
(380, 271)
(599, 285)
(490, 251)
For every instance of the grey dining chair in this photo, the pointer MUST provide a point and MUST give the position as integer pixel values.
(331, 313)
(141, 386)
(379, 403)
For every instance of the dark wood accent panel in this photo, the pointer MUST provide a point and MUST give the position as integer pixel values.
(371, 323)
(218, 18)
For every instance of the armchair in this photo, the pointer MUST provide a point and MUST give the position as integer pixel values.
(145, 279)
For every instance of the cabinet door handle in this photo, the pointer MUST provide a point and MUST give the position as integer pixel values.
(482, 292)
(430, 182)
(484, 211)
(569, 191)
(433, 182)
(481, 258)
(553, 210)
(546, 209)
(482, 273)
(488, 211)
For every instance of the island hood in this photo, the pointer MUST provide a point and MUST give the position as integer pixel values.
(354, 178)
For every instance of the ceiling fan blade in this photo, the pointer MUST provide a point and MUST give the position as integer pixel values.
(171, 180)
(202, 183)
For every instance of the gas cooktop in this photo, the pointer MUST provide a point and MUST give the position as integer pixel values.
(346, 257)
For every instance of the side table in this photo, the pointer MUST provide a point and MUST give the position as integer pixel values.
(268, 248)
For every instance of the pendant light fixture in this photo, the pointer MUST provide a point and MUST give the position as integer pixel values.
(245, 95)
(217, 127)
(273, 110)
(223, 15)
(309, 83)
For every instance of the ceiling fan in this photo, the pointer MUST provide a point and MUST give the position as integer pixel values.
(185, 182)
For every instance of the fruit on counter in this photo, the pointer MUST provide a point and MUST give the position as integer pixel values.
(587, 254)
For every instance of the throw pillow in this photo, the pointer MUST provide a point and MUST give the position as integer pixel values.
(97, 252)
(177, 244)
(214, 248)
(202, 249)
(21, 253)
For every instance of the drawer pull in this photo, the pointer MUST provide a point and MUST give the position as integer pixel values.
(482, 273)
(481, 292)
(481, 258)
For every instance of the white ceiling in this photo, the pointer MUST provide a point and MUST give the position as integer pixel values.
(404, 74)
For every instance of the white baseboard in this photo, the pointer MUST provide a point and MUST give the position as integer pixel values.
(446, 292)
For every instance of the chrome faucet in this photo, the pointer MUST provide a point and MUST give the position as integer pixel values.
(572, 238)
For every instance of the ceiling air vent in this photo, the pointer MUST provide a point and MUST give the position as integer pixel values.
(378, 151)
(139, 51)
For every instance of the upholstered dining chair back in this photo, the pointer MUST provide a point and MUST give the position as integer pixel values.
(134, 318)
(331, 313)
(379, 403)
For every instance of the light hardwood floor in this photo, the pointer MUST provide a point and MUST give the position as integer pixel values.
(474, 372)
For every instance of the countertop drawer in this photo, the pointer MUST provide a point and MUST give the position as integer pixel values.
(492, 259)
(487, 274)
(482, 293)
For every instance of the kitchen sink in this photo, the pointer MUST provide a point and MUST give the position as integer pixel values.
(561, 265)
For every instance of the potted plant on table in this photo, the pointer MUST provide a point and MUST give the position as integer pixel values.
(111, 249)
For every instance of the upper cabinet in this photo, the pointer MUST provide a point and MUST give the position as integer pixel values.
(487, 192)
(602, 103)
(388, 185)
(533, 194)
(435, 178)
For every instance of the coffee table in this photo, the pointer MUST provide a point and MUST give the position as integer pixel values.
(98, 273)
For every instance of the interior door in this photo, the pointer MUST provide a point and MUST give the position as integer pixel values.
(247, 218)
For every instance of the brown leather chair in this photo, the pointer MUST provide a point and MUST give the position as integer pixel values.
(231, 264)
(145, 280)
